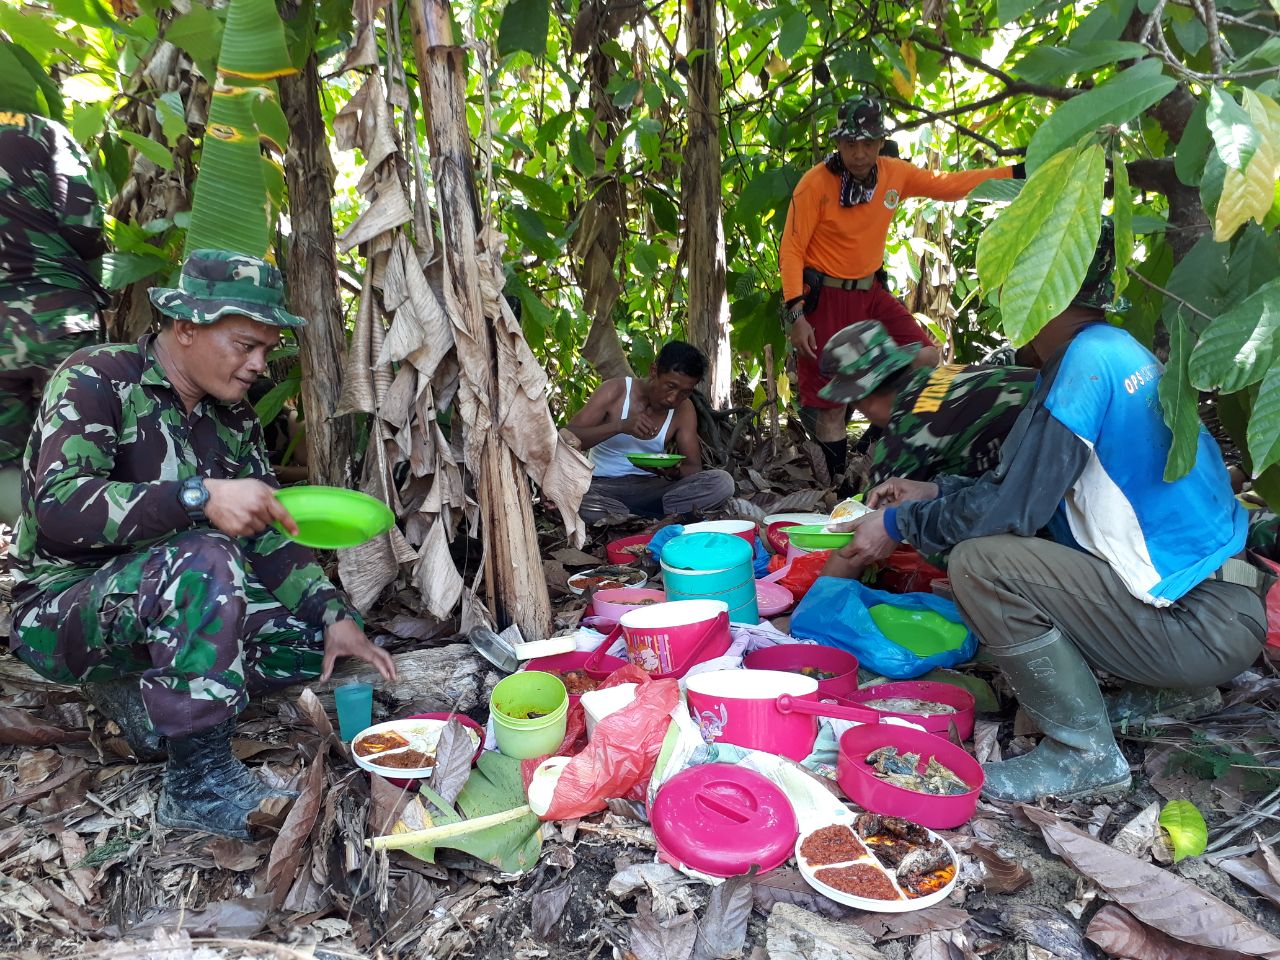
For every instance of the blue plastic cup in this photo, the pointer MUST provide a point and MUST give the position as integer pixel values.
(355, 708)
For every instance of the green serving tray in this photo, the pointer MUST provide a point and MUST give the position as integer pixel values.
(923, 632)
(655, 459)
(815, 536)
(331, 518)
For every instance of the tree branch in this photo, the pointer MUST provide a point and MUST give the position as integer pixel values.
(1167, 293)
(945, 117)
(1012, 85)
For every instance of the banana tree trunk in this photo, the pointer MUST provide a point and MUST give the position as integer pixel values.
(704, 226)
(312, 274)
(513, 567)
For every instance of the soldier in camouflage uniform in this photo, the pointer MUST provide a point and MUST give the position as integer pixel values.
(50, 230)
(148, 567)
(949, 420)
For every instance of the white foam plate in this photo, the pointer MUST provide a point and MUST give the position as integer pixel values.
(866, 903)
(423, 735)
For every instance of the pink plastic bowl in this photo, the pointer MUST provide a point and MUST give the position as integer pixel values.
(615, 550)
(613, 604)
(952, 696)
(772, 599)
(793, 657)
(462, 719)
(861, 786)
(564, 663)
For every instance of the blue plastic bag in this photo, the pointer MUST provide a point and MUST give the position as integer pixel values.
(661, 537)
(834, 612)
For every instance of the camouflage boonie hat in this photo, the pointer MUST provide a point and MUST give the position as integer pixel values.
(217, 283)
(860, 119)
(1098, 291)
(859, 358)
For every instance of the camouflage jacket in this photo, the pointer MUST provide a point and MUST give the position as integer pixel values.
(951, 419)
(110, 449)
(50, 230)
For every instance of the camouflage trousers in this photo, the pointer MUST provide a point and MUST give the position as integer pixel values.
(25, 366)
(186, 615)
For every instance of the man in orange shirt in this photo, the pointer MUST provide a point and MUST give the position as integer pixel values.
(837, 226)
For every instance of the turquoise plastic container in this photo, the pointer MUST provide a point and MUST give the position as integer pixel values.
(712, 566)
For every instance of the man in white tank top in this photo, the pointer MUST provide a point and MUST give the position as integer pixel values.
(655, 415)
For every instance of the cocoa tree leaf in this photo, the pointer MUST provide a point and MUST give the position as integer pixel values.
(291, 845)
(454, 751)
(652, 939)
(1156, 897)
(893, 926)
(310, 707)
(241, 918)
(23, 729)
(236, 855)
(1121, 934)
(575, 558)
(1186, 828)
(68, 909)
(1252, 872)
(723, 929)
(547, 906)
(934, 946)
(1003, 875)
(1045, 928)
(786, 885)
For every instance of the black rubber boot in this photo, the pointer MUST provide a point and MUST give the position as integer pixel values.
(120, 700)
(206, 788)
(1078, 756)
(1135, 704)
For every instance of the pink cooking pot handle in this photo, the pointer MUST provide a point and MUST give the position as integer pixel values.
(789, 704)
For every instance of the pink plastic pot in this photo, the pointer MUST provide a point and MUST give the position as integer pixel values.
(462, 719)
(764, 709)
(663, 638)
(613, 604)
(616, 552)
(794, 657)
(714, 644)
(862, 787)
(746, 529)
(952, 696)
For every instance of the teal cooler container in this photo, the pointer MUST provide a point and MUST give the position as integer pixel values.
(712, 566)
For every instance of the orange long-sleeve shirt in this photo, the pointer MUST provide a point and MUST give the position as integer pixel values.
(848, 242)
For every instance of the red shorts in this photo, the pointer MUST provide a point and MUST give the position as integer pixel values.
(838, 309)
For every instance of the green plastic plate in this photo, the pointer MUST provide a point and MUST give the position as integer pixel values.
(814, 536)
(330, 518)
(655, 459)
(923, 632)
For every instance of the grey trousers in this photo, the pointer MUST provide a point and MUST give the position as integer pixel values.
(655, 496)
(1011, 589)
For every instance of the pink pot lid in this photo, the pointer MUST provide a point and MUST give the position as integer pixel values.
(720, 819)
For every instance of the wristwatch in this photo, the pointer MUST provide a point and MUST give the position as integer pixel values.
(193, 495)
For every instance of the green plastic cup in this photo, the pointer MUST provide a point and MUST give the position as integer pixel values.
(530, 713)
(355, 709)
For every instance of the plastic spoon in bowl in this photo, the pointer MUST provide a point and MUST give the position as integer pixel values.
(789, 704)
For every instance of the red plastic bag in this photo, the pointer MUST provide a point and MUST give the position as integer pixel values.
(805, 570)
(906, 571)
(1273, 597)
(619, 759)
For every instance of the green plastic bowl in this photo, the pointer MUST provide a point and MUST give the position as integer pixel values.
(923, 632)
(331, 518)
(655, 459)
(815, 536)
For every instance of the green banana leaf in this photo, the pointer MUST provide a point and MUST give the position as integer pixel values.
(494, 786)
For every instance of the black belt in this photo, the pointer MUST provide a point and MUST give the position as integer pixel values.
(860, 283)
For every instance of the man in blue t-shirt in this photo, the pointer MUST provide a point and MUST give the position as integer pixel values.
(1141, 578)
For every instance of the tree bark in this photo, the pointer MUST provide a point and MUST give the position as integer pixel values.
(513, 568)
(704, 225)
(312, 275)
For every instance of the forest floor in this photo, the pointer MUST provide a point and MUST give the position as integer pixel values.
(86, 871)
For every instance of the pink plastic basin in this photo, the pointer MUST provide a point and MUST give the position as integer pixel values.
(764, 709)
(662, 637)
(952, 696)
(793, 657)
(563, 663)
(615, 550)
(862, 787)
(612, 604)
